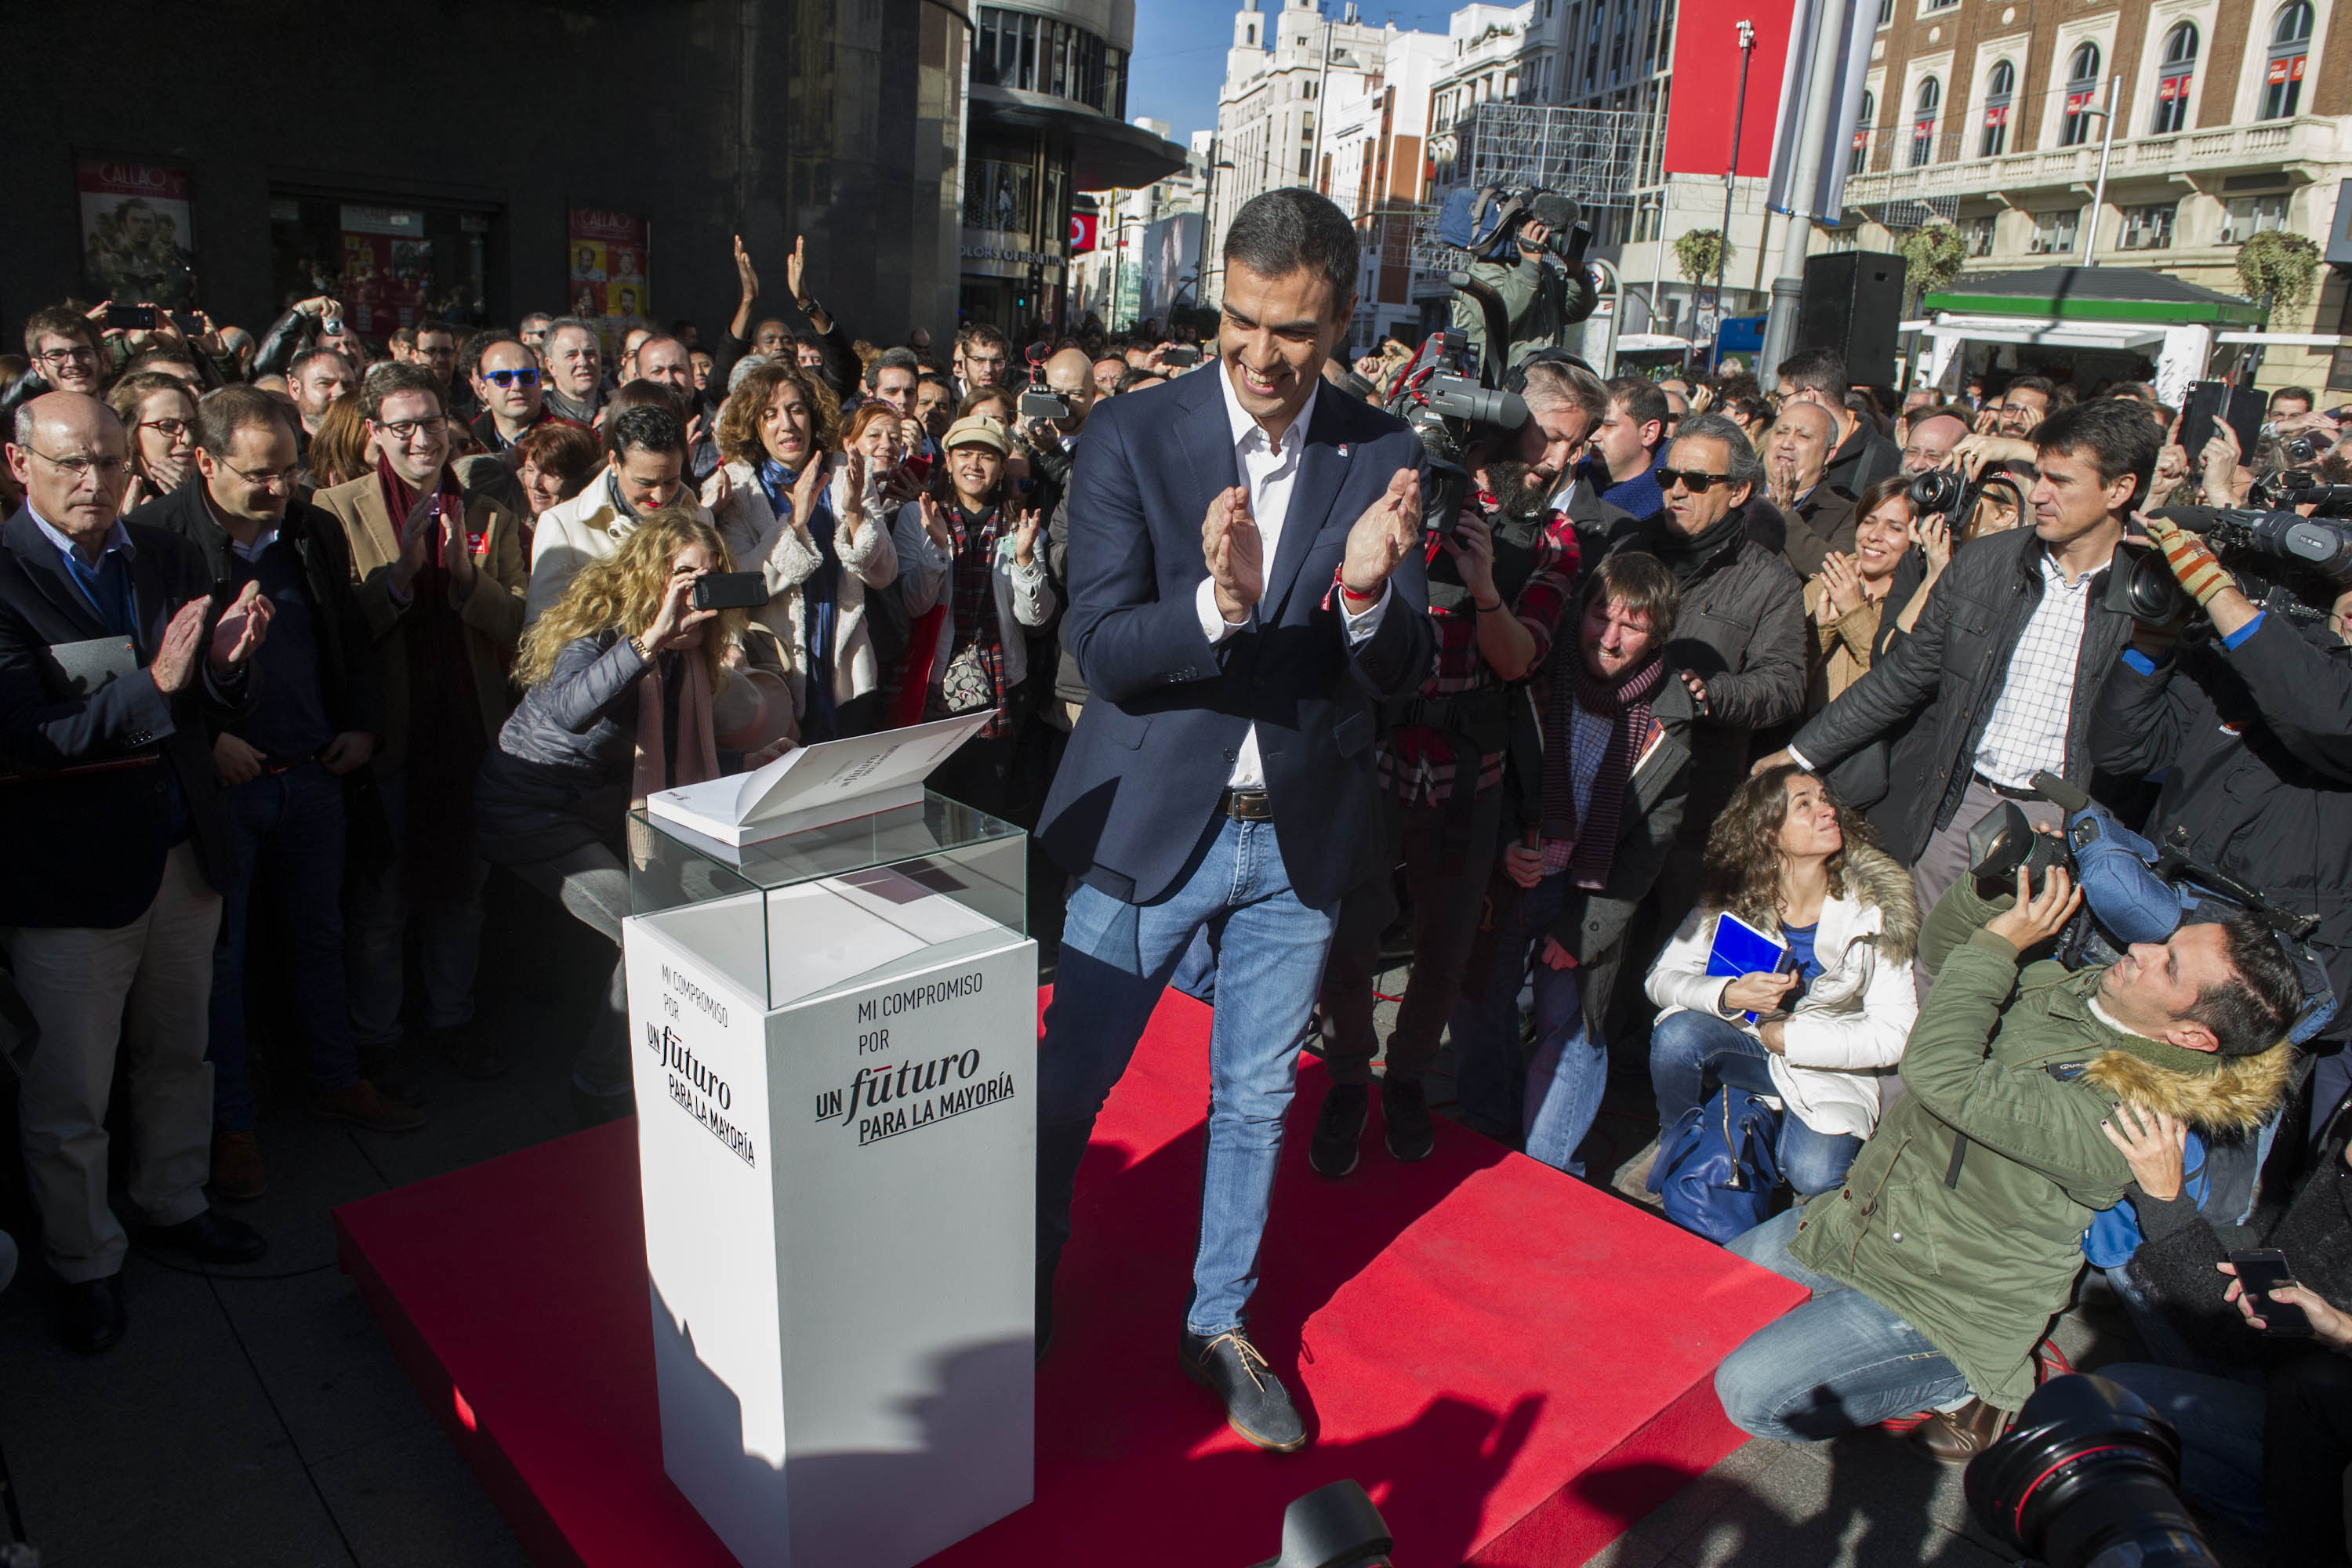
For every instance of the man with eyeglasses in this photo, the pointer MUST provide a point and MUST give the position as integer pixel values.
(62, 345)
(533, 331)
(983, 357)
(1860, 456)
(113, 848)
(283, 763)
(1739, 635)
(574, 380)
(441, 579)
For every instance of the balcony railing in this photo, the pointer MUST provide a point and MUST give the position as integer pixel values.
(1955, 170)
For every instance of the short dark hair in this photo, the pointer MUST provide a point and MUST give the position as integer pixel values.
(435, 324)
(1134, 380)
(653, 428)
(56, 322)
(1642, 582)
(1820, 370)
(470, 352)
(302, 362)
(1644, 400)
(2250, 1012)
(982, 332)
(2117, 433)
(1278, 232)
(2303, 391)
(892, 359)
(2041, 384)
(391, 378)
(226, 410)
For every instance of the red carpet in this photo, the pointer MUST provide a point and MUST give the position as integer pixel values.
(1515, 1365)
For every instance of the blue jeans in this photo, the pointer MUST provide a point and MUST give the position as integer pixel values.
(1115, 963)
(1838, 1363)
(1554, 1102)
(2220, 1420)
(286, 830)
(1688, 1049)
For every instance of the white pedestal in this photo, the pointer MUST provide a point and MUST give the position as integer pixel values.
(840, 1214)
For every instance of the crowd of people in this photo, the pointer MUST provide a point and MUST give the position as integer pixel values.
(340, 628)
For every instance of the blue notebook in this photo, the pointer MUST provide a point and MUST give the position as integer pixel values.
(1741, 949)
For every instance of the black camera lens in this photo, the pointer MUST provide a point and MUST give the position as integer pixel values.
(2088, 1469)
(2003, 840)
(1935, 491)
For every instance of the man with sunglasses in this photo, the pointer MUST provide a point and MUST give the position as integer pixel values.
(1739, 635)
(508, 380)
(283, 764)
(113, 849)
(441, 577)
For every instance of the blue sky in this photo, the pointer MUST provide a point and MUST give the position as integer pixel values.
(1179, 54)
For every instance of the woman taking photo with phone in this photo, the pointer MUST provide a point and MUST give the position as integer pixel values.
(628, 688)
(1792, 862)
(820, 532)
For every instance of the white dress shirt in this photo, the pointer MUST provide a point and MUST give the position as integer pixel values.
(1269, 470)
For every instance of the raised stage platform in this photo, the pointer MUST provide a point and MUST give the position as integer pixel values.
(1516, 1366)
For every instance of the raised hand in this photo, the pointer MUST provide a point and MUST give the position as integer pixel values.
(1389, 531)
(1841, 585)
(239, 633)
(1025, 539)
(935, 523)
(175, 657)
(804, 491)
(1235, 553)
(457, 551)
(673, 623)
(745, 277)
(796, 270)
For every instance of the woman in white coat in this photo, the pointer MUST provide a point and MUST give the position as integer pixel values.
(1787, 860)
(819, 531)
(983, 566)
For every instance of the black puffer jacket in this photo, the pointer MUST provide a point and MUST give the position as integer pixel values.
(1742, 630)
(2259, 742)
(1958, 657)
(561, 774)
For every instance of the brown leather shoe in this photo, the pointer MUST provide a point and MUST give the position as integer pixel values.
(237, 1174)
(1956, 1437)
(362, 1106)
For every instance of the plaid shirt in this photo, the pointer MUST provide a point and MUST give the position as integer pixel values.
(1417, 761)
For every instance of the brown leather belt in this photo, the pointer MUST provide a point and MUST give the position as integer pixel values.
(1246, 806)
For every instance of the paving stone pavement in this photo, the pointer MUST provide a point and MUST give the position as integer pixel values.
(255, 1417)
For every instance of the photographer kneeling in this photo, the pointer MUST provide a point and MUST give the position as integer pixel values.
(2252, 717)
(628, 689)
(1936, 1266)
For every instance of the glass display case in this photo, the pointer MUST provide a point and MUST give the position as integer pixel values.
(793, 918)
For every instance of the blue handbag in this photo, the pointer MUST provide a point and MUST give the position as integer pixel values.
(1718, 1165)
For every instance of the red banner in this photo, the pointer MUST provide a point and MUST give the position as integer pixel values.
(1996, 114)
(1706, 67)
(1083, 229)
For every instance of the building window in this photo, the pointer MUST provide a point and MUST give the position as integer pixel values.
(2289, 48)
(2054, 234)
(2172, 79)
(2148, 227)
(1923, 121)
(2250, 215)
(1252, 31)
(2081, 86)
(1306, 161)
(1999, 89)
(1885, 12)
(1976, 235)
(1040, 55)
(1859, 159)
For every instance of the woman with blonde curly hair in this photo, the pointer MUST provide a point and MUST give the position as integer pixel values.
(628, 689)
(819, 531)
(1790, 860)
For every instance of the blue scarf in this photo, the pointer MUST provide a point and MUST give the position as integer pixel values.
(819, 595)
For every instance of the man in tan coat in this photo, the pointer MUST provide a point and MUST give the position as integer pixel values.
(441, 580)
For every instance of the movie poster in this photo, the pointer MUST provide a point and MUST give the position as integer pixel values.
(387, 269)
(138, 245)
(608, 271)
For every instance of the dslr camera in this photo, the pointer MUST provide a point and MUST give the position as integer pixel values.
(2088, 1478)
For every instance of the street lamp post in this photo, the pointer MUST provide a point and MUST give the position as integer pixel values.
(2099, 193)
(1731, 184)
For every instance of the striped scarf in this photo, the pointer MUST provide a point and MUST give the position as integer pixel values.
(1627, 705)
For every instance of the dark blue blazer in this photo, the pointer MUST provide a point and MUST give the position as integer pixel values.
(1159, 733)
(86, 847)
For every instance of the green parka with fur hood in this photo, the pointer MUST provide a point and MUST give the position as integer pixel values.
(1965, 1212)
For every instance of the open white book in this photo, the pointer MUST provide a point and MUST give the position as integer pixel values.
(809, 786)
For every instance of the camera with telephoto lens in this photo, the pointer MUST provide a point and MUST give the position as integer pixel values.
(1333, 1526)
(2088, 1478)
(2282, 559)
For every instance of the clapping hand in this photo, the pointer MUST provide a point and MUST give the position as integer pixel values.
(416, 532)
(1235, 553)
(746, 279)
(239, 634)
(1378, 543)
(1842, 591)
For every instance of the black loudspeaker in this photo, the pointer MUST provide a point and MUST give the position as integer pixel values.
(1852, 301)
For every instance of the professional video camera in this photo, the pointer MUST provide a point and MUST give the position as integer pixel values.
(2088, 1478)
(2135, 893)
(1451, 414)
(1333, 1526)
(2282, 561)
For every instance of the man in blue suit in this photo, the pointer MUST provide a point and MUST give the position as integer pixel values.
(1245, 586)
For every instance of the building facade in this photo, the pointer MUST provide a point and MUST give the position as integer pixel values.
(461, 162)
(2230, 117)
(1146, 263)
(1048, 99)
